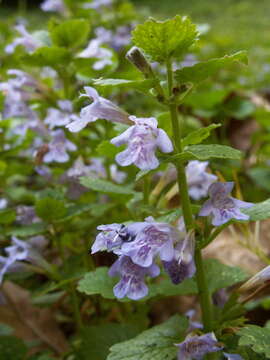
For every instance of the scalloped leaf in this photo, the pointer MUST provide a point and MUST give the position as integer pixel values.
(162, 40)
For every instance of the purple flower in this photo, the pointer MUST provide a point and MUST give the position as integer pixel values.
(3, 203)
(222, 206)
(96, 50)
(116, 40)
(182, 266)
(17, 92)
(116, 175)
(220, 297)
(100, 108)
(44, 171)
(26, 215)
(198, 179)
(62, 117)
(142, 139)
(53, 5)
(189, 60)
(18, 251)
(132, 275)
(232, 356)
(152, 239)
(113, 236)
(193, 325)
(27, 40)
(196, 347)
(58, 148)
(21, 80)
(96, 4)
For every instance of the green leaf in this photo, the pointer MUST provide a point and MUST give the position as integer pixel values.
(12, 348)
(260, 176)
(28, 230)
(205, 152)
(197, 136)
(162, 40)
(140, 85)
(202, 70)
(257, 338)
(227, 275)
(166, 288)
(105, 148)
(97, 340)
(98, 282)
(42, 37)
(53, 56)
(70, 33)
(238, 107)
(157, 343)
(248, 354)
(50, 209)
(105, 186)
(260, 211)
(7, 216)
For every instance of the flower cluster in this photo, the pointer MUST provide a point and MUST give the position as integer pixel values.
(142, 139)
(138, 245)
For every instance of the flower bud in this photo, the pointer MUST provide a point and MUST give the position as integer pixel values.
(137, 58)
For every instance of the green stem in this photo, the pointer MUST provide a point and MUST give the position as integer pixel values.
(204, 296)
(146, 189)
(76, 308)
(181, 175)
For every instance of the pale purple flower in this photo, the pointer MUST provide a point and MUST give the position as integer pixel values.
(113, 236)
(132, 275)
(104, 35)
(232, 356)
(96, 4)
(142, 140)
(121, 37)
(182, 265)
(193, 325)
(223, 207)
(27, 40)
(116, 175)
(95, 50)
(117, 39)
(44, 171)
(220, 297)
(17, 92)
(189, 60)
(3, 203)
(196, 347)
(18, 251)
(152, 239)
(53, 5)
(61, 116)
(26, 215)
(100, 108)
(21, 80)
(58, 148)
(198, 179)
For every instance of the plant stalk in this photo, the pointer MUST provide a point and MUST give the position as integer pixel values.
(204, 295)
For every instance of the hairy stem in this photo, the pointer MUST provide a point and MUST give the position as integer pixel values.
(204, 296)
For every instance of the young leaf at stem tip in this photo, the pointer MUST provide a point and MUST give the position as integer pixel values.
(161, 40)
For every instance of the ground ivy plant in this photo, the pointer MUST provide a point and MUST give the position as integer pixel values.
(107, 194)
